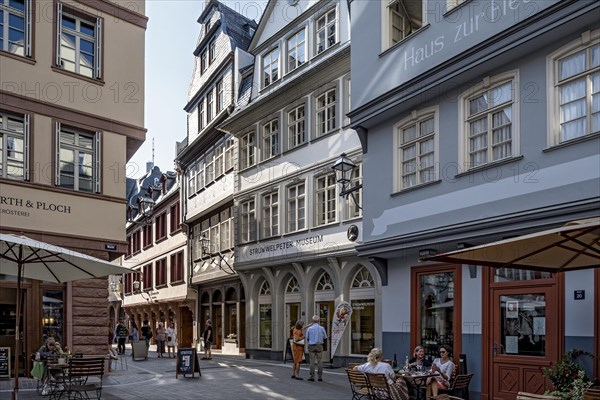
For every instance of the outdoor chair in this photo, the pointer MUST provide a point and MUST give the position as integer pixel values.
(378, 387)
(533, 396)
(459, 386)
(85, 375)
(592, 393)
(352, 365)
(116, 359)
(359, 384)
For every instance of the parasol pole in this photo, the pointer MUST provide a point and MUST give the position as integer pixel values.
(15, 393)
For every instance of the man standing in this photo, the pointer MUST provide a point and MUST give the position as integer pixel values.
(208, 340)
(121, 337)
(315, 336)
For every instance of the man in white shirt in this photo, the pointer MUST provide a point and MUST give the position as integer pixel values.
(315, 336)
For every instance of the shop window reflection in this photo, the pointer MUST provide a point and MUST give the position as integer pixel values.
(436, 311)
(53, 314)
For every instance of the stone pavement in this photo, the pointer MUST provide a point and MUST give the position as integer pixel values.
(223, 377)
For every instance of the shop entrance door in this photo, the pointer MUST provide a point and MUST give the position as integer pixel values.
(524, 338)
(292, 315)
(325, 311)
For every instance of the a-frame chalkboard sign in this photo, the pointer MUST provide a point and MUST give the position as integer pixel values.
(187, 362)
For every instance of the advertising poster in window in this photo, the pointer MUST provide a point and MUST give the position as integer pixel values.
(512, 309)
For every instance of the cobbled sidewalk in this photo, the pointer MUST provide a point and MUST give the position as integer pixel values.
(223, 377)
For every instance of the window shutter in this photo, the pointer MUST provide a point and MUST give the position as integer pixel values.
(98, 71)
(28, 17)
(97, 161)
(26, 147)
(58, 33)
(57, 154)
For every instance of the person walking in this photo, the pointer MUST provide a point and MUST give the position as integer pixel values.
(122, 334)
(298, 348)
(208, 340)
(171, 339)
(135, 334)
(161, 337)
(146, 333)
(315, 336)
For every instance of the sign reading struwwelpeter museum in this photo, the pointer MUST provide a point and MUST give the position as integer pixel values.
(316, 244)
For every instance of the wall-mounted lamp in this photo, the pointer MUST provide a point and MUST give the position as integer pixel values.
(205, 246)
(137, 290)
(343, 168)
(427, 253)
(145, 207)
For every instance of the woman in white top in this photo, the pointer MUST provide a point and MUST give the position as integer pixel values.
(443, 367)
(375, 365)
(171, 339)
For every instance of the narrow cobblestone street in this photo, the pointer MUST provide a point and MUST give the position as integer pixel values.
(224, 377)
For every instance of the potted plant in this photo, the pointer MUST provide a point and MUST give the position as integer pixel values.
(567, 376)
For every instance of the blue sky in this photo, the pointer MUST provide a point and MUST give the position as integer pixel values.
(170, 41)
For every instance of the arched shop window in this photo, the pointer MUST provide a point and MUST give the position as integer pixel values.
(293, 286)
(265, 316)
(362, 326)
(325, 282)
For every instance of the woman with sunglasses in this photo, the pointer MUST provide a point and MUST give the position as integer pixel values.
(443, 367)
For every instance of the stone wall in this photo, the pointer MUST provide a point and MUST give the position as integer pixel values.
(90, 318)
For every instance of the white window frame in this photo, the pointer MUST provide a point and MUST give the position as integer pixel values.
(96, 39)
(585, 43)
(226, 229)
(210, 101)
(248, 222)
(270, 214)
(270, 139)
(488, 85)
(8, 134)
(326, 199)
(296, 214)
(389, 11)
(22, 49)
(220, 101)
(248, 150)
(327, 23)
(354, 201)
(219, 159)
(323, 113)
(229, 153)
(415, 119)
(296, 124)
(77, 149)
(201, 115)
(270, 65)
(191, 174)
(297, 47)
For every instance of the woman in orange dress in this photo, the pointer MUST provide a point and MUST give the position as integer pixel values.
(298, 348)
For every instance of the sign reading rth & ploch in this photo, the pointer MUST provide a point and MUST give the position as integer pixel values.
(25, 204)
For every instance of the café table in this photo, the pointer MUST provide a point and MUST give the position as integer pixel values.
(57, 373)
(416, 379)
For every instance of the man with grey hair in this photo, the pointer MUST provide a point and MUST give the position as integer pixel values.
(315, 336)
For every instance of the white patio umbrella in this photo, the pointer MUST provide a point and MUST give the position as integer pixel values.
(23, 257)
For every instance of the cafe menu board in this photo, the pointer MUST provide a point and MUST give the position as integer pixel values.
(4, 362)
(187, 362)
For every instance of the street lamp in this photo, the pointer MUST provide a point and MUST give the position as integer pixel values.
(145, 207)
(137, 290)
(205, 246)
(343, 168)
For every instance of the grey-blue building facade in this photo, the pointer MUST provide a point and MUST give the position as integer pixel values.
(479, 120)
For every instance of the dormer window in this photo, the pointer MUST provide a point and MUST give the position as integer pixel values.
(270, 67)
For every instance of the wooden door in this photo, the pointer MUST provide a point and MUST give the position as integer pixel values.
(524, 337)
(325, 312)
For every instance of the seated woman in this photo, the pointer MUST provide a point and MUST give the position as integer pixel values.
(375, 365)
(419, 359)
(50, 347)
(443, 367)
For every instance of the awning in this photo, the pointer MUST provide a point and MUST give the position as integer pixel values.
(571, 247)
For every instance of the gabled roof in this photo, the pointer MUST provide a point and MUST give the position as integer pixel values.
(235, 25)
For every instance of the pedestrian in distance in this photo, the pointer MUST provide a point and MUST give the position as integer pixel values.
(135, 333)
(171, 339)
(315, 337)
(122, 334)
(298, 348)
(161, 338)
(146, 333)
(208, 340)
